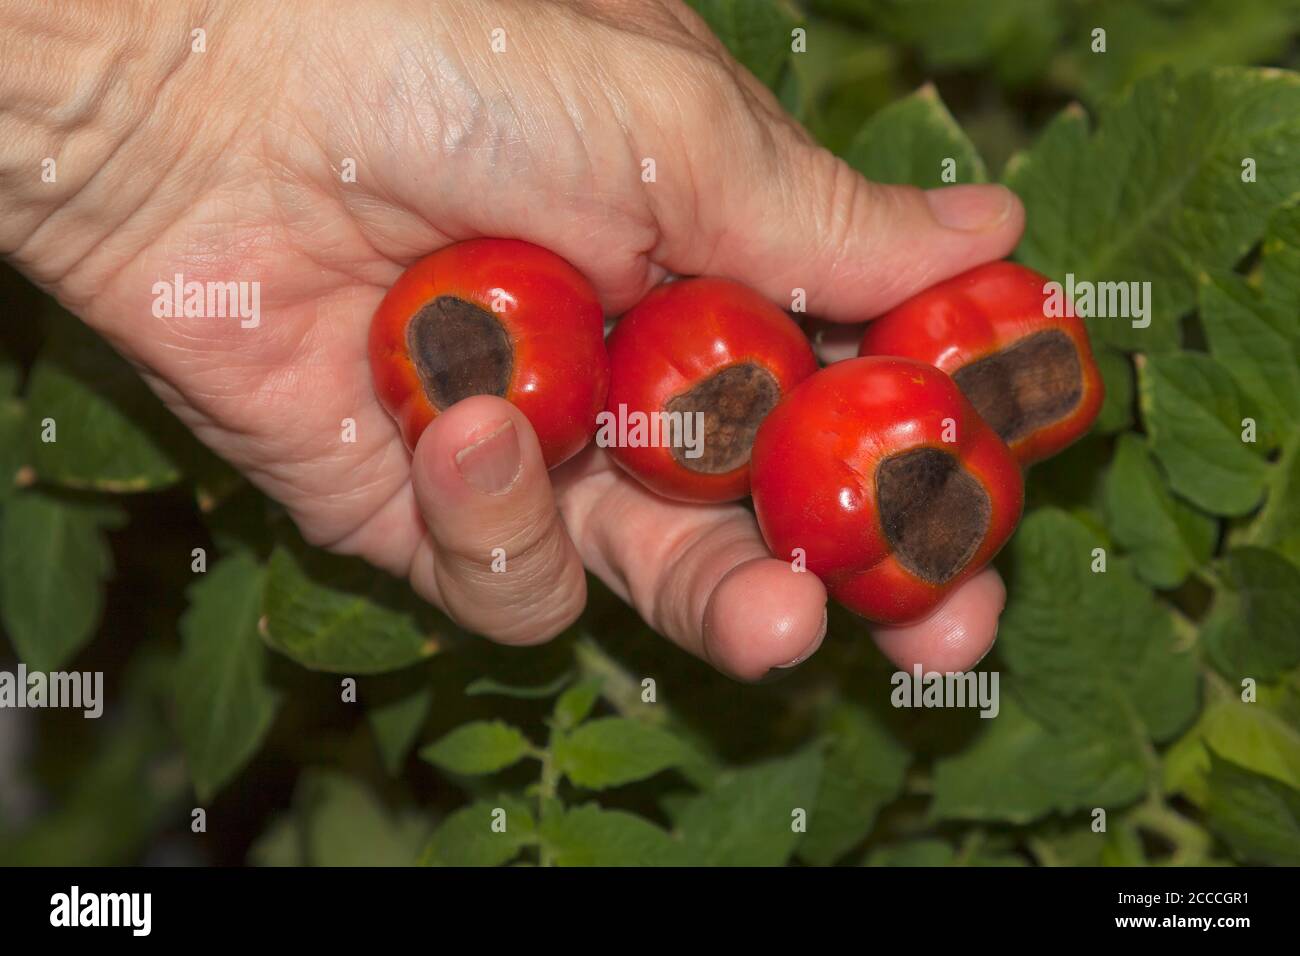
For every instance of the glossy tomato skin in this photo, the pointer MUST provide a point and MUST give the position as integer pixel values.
(979, 313)
(815, 485)
(677, 337)
(560, 368)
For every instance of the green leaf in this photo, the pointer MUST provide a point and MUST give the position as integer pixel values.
(1095, 675)
(749, 816)
(1193, 413)
(246, 520)
(1166, 537)
(1123, 847)
(909, 142)
(921, 852)
(1091, 651)
(848, 75)
(930, 852)
(994, 857)
(1252, 630)
(346, 825)
(54, 558)
(1015, 37)
(224, 701)
(1257, 344)
(1006, 774)
(1117, 376)
(1156, 193)
(215, 480)
(625, 693)
(1075, 844)
(863, 772)
(1017, 770)
(341, 615)
(485, 833)
(478, 747)
(14, 451)
(757, 32)
(576, 703)
(1074, 480)
(116, 797)
(397, 715)
(1256, 815)
(1143, 37)
(112, 433)
(11, 374)
(613, 751)
(1279, 271)
(280, 844)
(1278, 523)
(1257, 736)
(591, 836)
(486, 685)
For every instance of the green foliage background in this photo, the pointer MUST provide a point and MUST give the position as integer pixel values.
(1121, 690)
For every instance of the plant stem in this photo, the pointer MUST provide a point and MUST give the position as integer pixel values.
(1190, 842)
(548, 787)
(1185, 629)
(970, 845)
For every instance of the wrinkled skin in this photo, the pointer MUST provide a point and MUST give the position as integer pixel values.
(226, 165)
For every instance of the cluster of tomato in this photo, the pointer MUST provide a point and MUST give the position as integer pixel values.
(893, 476)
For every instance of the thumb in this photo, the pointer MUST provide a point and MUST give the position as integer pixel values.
(799, 217)
(497, 557)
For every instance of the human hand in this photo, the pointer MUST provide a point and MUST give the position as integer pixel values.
(228, 165)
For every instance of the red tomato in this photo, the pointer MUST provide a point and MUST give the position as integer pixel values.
(496, 317)
(698, 363)
(1032, 376)
(888, 480)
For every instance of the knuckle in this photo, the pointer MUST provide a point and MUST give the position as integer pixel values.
(527, 616)
(845, 198)
(849, 222)
(711, 90)
(533, 592)
(675, 607)
(526, 541)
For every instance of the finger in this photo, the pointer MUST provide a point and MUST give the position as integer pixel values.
(956, 636)
(763, 598)
(699, 575)
(497, 556)
(786, 215)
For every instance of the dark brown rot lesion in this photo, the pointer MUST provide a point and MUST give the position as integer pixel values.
(734, 400)
(1032, 384)
(459, 350)
(934, 512)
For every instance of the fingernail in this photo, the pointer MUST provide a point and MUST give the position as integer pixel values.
(492, 464)
(812, 648)
(970, 208)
